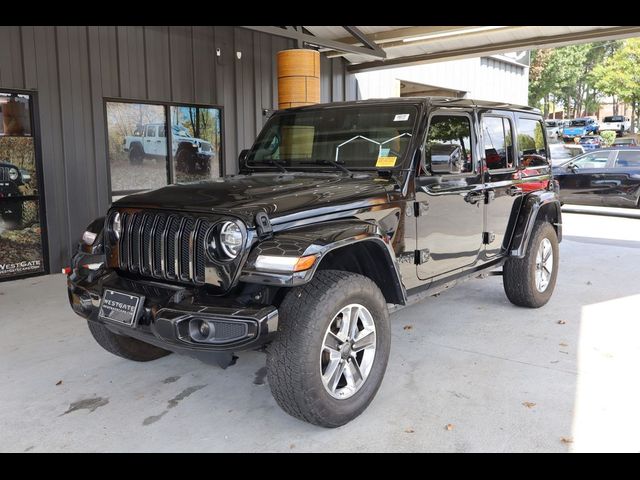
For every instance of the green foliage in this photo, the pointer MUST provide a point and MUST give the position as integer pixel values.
(526, 142)
(608, 137)
(620, 73)
(565, 74)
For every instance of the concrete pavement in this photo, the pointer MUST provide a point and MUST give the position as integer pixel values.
(557, 379)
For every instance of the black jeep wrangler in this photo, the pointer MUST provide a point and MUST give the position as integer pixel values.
(11, 179)
(338, 211)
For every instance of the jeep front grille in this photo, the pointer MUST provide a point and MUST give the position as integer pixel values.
(4, 173)
(163, 245)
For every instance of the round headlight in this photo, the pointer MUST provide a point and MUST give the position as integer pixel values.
(231, 239)
(116, 225)
(13, 173)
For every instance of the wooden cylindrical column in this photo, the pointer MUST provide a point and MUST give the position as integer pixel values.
(298, 78)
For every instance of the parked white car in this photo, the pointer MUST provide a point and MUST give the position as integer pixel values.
(554, 128)
(617, 123)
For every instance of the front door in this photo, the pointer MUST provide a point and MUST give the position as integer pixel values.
(449, 196)
(501, 169)
(580, 182)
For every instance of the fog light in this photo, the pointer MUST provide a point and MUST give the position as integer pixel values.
(201, 330)
(204, 329)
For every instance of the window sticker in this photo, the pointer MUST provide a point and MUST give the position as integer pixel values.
(401, 117)
(386, 161)
(384, 152)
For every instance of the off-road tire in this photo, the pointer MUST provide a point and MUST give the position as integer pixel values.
(518, 274)
(186, 161)
(125, 347)
(13, 220)
(136, 155)
(293, 359)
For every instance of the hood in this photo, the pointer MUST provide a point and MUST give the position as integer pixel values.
(296, 194)
(574, 130)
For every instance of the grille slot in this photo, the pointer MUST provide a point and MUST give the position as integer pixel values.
(164, 246)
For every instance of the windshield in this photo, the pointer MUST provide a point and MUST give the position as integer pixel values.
(359, 137)
(614, 119)
(181, 131)
(578, 123)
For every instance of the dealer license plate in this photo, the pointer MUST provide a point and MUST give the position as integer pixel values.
(120, 307)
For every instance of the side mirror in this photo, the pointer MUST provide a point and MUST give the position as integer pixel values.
(445, 159)
(242, 159)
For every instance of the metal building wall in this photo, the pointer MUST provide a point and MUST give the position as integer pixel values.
(72, 69)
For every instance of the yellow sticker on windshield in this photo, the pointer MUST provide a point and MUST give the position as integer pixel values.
(386, 161)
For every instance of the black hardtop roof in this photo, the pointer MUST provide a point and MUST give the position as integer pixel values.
(429, 101)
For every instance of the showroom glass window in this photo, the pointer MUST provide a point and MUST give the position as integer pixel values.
(138, 145)
(196, 143)
(22, 244)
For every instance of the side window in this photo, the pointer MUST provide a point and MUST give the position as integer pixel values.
(161, 131)
(628, 158)
(593, 160)
(151, 131)
(531, 143)
(498, 145)
(449, 143)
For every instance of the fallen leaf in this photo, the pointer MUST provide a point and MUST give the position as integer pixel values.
(566, 353)
(409, 430)
(561, 322)
(588, 282)
(448, 426)
(555, 361)
(407, 327)
(529, 404)
(563, 344)
(293, 445)
(566, 440)
(59, 382)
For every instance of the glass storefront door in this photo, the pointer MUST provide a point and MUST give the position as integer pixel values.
(22, 250)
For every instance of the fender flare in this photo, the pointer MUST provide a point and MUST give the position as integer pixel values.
(530, 208)
(322, 239)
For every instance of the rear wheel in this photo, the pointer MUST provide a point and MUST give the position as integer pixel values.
(125, 347)
(332, 347)
(529, 281)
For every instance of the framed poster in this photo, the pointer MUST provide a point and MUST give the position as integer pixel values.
(22, 248)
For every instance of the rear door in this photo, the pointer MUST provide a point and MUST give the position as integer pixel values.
(449, 202)
(500, 167)
(620, 181)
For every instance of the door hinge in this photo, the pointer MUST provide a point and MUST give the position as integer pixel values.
(420, 208)
(488, 237)
(422, 256)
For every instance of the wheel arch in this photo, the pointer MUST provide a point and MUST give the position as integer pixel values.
(536, 207)
(348, 245)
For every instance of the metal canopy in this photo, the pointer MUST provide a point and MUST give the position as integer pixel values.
(376, 47)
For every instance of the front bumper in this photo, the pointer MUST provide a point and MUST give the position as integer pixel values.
(168, 311)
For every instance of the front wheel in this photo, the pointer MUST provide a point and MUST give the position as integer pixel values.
(529, 281)
(332, 347)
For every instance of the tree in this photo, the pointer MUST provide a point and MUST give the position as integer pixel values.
(620, 75)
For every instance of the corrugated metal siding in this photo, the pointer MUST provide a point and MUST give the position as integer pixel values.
(73, 69)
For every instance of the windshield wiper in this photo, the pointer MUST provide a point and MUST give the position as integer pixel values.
(324, 161)
(275, 163)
